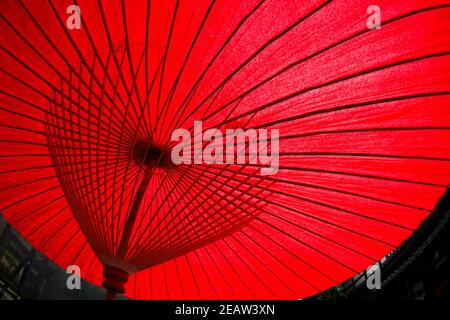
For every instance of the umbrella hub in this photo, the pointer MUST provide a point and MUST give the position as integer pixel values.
(151, 154)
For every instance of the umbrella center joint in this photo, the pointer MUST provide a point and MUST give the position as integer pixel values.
(152, 155)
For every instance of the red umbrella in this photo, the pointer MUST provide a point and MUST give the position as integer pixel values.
(87, 115)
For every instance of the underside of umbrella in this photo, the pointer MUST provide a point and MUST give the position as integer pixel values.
(87, 115)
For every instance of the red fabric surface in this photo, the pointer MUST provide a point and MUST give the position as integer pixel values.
(364, 120)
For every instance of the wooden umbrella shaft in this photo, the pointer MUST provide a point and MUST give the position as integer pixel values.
(115, 278)
(129, 224)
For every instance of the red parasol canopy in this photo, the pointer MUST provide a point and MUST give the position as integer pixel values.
(86, 117)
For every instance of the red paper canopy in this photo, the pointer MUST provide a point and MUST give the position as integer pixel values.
(86, 118)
